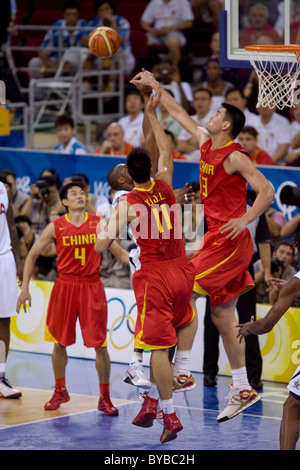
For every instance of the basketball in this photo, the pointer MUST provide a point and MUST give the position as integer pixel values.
(104, 41)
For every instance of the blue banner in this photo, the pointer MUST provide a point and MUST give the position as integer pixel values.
(29, 164)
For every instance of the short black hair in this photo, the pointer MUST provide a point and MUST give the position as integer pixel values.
(232, 90)
(23, 218)
(64, 190)
(139, 165)
(70, 4)
(236, 117)
(99, 3)
(64, 119)
(5, 173)
(249, 130)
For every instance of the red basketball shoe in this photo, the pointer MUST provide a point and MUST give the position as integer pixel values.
(59, 396)
(147, 414)
(106, 405)
(172, 426)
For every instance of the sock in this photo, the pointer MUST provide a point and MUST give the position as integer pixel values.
(61, 383)
(2, 369)
(153, 392)
(239, 376)
(136, 357)
(167, 406)
(182, 360)
(104, 389)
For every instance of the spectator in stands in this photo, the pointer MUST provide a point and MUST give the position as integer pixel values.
(276, 220)
(165, 22)
(281, 268)
(114, 143)
(18, 197)
(202, 106)
(168, 75)
(65, 131)
(235, 97)
(259, 27)
(45, 267)
(55, 38)
(292, 157)
(208, 10)
(215, 83)
(43, 203)
(177, 155)
(166, 121)
(248, 140)
(274, 133)
(105, 10)
(132, 123)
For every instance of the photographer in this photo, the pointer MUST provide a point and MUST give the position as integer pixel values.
(45, 266)
(43, 203)
(281, 268)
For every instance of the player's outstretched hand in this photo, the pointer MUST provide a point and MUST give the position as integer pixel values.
(245, 329)
(24, 300)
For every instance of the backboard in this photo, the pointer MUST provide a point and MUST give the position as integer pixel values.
(246, 22)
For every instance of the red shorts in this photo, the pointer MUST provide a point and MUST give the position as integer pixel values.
(72, 298)
(162, 291)
(222, 266)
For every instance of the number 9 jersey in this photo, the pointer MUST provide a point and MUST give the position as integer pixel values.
(75, 246)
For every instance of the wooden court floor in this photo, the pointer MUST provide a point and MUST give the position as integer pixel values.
(78, 425)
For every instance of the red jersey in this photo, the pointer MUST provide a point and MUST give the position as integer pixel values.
(158, 233)
(224, 196)
(75, 246)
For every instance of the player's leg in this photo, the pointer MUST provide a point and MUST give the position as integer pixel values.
(183, 380)
(242, 394)
(103, 369)
(8, 296)
(59, 363)
(290, 423)
(135, 374)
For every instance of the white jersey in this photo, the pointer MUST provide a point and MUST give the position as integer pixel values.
(5, 242)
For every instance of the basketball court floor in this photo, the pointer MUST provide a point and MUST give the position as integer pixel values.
(78, 425)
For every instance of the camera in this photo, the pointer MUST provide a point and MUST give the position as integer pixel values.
(276, 265)
(43, 184)
(290, 195)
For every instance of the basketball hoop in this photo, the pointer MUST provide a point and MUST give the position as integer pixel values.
(277, 77)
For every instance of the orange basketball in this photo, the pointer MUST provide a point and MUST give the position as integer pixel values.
(104, 41)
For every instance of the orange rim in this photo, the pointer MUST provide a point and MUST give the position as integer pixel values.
(274, 48)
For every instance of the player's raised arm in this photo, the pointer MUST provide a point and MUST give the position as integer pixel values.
(45, 239)
(165, 165)
(107, 233)
(177, 112)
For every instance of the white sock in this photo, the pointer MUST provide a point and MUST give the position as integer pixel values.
(182, 360)
(136, 357)
(239, 376)
(2, 368)
(153, 392)
(167, 406)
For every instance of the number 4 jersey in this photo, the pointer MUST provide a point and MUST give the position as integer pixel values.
(75, 246)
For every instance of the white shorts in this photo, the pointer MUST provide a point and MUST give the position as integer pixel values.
(294, 384)
(8, 285)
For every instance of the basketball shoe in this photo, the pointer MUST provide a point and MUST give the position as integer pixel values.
(182, 380)
(59, 396)
(7, 390)
(172, 426)
(106, 405)
(240, 398)
(135, 376)
(147, 413)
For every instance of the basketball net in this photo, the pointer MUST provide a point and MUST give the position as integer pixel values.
(277, 81)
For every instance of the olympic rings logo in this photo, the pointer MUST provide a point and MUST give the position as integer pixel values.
(124, 318)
